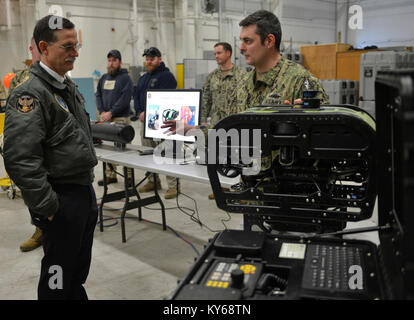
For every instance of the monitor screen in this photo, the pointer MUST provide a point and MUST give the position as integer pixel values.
(179, 104)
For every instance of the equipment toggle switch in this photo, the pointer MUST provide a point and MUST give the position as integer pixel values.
(237, 278)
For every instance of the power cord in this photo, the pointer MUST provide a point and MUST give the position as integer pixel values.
(197, 220)
(106, 218)
(168, 227)
(175, 232)
(190, 213)
(223, 220)
(187, 211)
(146, 207)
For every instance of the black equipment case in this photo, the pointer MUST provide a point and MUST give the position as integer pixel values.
(119, 133)
(320, 168)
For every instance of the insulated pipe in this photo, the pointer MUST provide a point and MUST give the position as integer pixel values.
(132, 29)
(346, 21)
(8, 14)
(220, 22)
(336, 21)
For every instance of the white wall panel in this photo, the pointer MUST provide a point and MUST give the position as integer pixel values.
(303, 21)
(385, 23)
(12, 52)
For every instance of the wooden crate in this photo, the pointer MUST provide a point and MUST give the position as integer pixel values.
(321, 59)
(348, 64)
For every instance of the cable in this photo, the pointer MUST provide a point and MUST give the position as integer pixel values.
(176, 233)
(196, 220)
(106, 219)
(170, 208)
(223, 220)
(146, 207)
(183, 210)
(168, 227)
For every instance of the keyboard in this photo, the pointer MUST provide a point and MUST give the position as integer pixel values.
(142, 150)
(327, 267)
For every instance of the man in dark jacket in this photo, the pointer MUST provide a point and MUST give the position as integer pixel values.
(49, 154)
(113, 98)
(158, 76)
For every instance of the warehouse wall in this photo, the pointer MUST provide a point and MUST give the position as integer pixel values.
(385, 23)
(103, 25)
(303, 22)
(107, 25)
(307, 22)
(12, 52)
(178, 27)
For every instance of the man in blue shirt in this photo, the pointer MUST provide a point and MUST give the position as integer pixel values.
(158, 76)
(113, 97)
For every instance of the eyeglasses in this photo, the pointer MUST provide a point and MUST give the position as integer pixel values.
(71, 47)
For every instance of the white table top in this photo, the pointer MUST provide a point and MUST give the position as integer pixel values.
(130, 158)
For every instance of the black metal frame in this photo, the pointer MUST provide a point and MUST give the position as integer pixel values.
(192, 287)
(346, 137)
(395, 157)
(391, 265)
(129, 191)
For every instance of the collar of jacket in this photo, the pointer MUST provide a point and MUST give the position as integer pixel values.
(268, 78)
(36, 69)
(229, 73)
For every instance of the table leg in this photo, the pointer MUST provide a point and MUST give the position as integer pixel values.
(136, 194)
(129, 191)
(164, 225)
(126, 188)
(103, 198)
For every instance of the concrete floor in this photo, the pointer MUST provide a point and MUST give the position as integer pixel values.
(147, 266)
